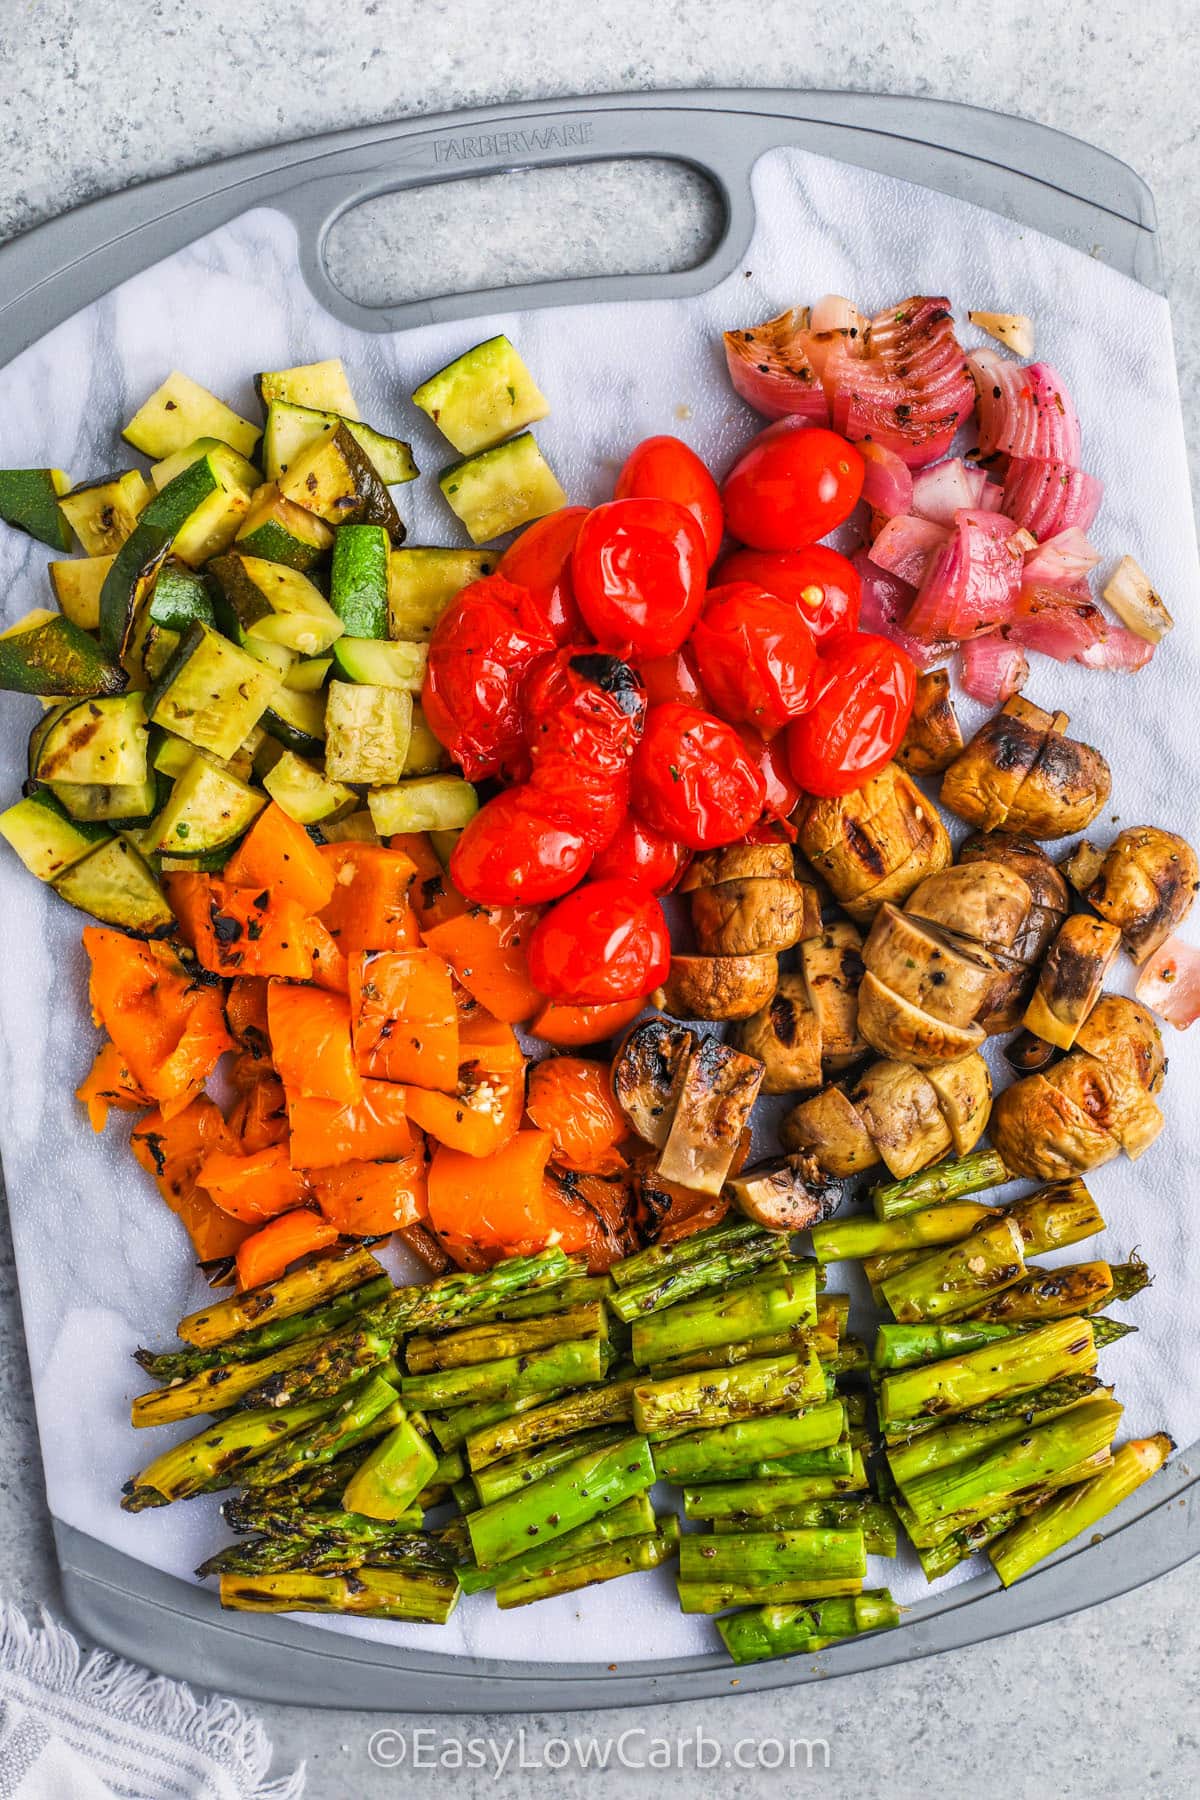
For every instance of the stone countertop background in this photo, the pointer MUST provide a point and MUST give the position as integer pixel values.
(99, 95)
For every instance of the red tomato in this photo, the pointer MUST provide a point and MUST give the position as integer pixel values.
(756, 657)
(657, 862)
(664, 468)
(782, 793)
(540, 560)
(639, 569)
(794, 484)
(482, 649)
(673, 677)
(823, 584)
(606, 941)
(584, 712)
(519, 847)
(692, 778)
(861, 714)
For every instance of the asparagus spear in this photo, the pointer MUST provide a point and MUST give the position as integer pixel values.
(726, 1449)
(960, 1277)
(611, 1404)
(272, 1335)
(716, 1269)
(1050, 1294)
(718, 1596)
(851, 1356)
(783, 1295)
(952, 1180)
(557, 1296)
(320, 1485)
(964, 1437)
(1062, 1518)
(389, 1479)
(450, 1298)
(453, 1428)
(214, 1390)
(226, 1445)
(632, 1518)
(331, 1365)
(834, 1460)
(567, 1497)
(488, 1343)
(348, 1412)
(428, 1597)
(938, 1559)
(1013, 1366)
(1053, 1397)
(321, 1556)
(761, 1499)
(250, 1512)
(1033, 1459)
(749, 1557)
(1129, 1278)
(844, 1239)
(321, 1278)
(785, 1630)
(1057, 1215)
(605, 1563)
(724, 1356)
(874, 1518)
(659, 1259)
(514, 1472)
(720, 1396)
(575, 1363)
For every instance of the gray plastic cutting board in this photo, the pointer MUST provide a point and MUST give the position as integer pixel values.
(1020, 170)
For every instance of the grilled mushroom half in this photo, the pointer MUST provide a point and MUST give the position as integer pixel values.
(1021, 773)
(808, 1030)
(874, 844)
(787, 1194)
(754, 915)
(1144, 884)
(934, 736)
(893, 1113)
(720, 1086)
(1071, 979)
(717, 987)
(647, 1075)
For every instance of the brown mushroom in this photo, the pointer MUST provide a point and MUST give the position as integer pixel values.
(934, 736)
(719, 1089)
(1144, 884)
(924, 965)
(785, 1035)
(829, 1128)
(774, 860)
(788, 1194)
(717, 987)
(1071, 979)
(899, 1106)
(647, 1075)
(754, 915)
(875, 843)
(1021, 773)
(906, 1033)
(832, 967)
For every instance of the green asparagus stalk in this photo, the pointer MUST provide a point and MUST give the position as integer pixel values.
(453, 1428)
(348, 1412)
(1057, 1215)
(721, 1396)
(876, 1519)
(1012, 1366)
(561, 1417)
(322, 1278)
(318, 1486)
(786, 1630)
(660, 1259)
(903, 1346)
(489, 1343)
(836, 1459)
(1129, 1278)
(938, 1559)
(608, 1562)
(954, 1180)
(960, 1277)
(332, 1364)
(718, 1596)
(250, 1512)
(323, 1556)
(388, 1480)
(724, 1356)
(1050, 1294)
(225, 1446)
(562, 1295)
(448, 1299)
(1033, 1459)
(1030, 1540)
(632, 1518)
(428, 1597)
(716, 1269)
(273, 1335)
(512, 1473)
(724, 1451)
(569, 1496)
(751, 1557)
(964, 1437)
(843, 1240)
(215, 1389)
(761, 1499)
(783, 1295)
(1054, 1397)
(575, 1363)
(851, 1357)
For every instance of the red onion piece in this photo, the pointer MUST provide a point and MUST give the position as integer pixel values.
(1170, 984)
(905, 546)
(888, 487)
(993, 669)
(885, 600)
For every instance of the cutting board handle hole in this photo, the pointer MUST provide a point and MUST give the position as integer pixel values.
(645, 215)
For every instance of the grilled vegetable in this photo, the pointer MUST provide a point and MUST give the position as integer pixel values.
(754, 915)
(785, 1036)
(716, 1098)
(291, 429)
(500, 489)
(422, 581)
(898, 1029)
(211, 693)
(103, 513)
(788, 1194)
(368, 731)
(29, 502)
(893, 1113)
(875, 843)
(45, 654)
(179, 412)
(1144, 884)
(832, 967)
(1132, 596)
(333, 478)
(717, 987)
(934, 736)
(1071, 979)
(648, 1073)
(482, 397)
(1020, 773)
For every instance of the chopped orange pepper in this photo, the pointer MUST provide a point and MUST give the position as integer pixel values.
(477, 1030)
(172, 1150)
(330, 969)
(369, 909)
(265, 1254)
(571, 1098)
(188, 897)
(574, 1027)
(241, 931)
(485, 946)
(260, 1117)
(278, 853)
(482, 1113)
(367, 1199)
(254, 1187)
(246, 1017)
(604, 1205)
(310, 1043)
(109, 1083)
(487, 1208)
(167, 1025)
(405, 1019)
(375, 1129)
(434, 897)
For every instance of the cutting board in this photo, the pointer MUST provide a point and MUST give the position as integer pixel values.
(221, 272)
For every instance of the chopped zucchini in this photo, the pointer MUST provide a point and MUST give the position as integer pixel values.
(209, 862)
(354, 828)
(358, 580)
(291, 429)
(180, 411)
(283, 532)
(135, 567)
(116, 886)
(239, 467)
(29, 503)
(158, 647)
(216, 521)
(208, 808)
(426, 756)
(180, 595)
(211, 692)
(382, 663)
(304, 793)
(307, 675)
(103, 513)
(276, 656)
(127, 802)
(46, 654)
(77, 587)
(423, 581)
(297, 720)
(45, 837)
(337, 482)
(171, 755)
(482, 397)
(322, 385)
(92, 741)
(427, 803)
(500, 489)
(271, 602)
(368, 729)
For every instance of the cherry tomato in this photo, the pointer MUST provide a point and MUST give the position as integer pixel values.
(664, 468)
(756, 657)
(867, 686)
(540, 560)
(657, 862)
(482, 649)
(584, 711)
(519, 847)
(781, 791)
(794, 484)
(823, 584)
(606, 941)
(692, 778)
(571, 1097)
(673, 677)
(639, 569)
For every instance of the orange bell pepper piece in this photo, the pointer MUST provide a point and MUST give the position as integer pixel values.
(260, 1117)
(172, 1150)
(479, 1032)
(188, 897)
(254, 1187)
(482, 1113)
(368, 1199)
(574, 1027)
(330, 969)
(487, 1208)
(246, 1017)
(604, 1205)
(434, 897)
(485, 946)
(109, 1083)
(310, 1043)
(278, 853)
(265, 1254)
(404, 1018)
(571, 1098)
(241, 930)
(169, 1028)
(326, 1134)
(369, 909)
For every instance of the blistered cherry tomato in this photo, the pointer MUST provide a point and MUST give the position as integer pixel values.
(540, 560)
(584, 710)
(673, 677)
(794, 484)
(639, 568)
(692, 778)
(781, 791)
(664, 468)
(606, 941)
(482, 649)
(824, 585)
(756, 657)
(867, 686)
(519, 847)
(637, 850)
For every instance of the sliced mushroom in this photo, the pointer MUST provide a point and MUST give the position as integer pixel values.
(979, 900)
(1042, 1134)
(873, 844)
(719, 1089)
(829, 1128)
(717, 987)
(1028, 1054)
(785, 1035)
(1071, 979)
(1125, 1034)
(832, 967)
(647, 1075)
(982, 783)
(1015, 851)
(774, 860)
(942, 975)
(1065, 791)
(906, 1033)
(1144, 885)
(934, 736)
(789, 1194)
(964, 1091)
(899, 1106)
(754, 915)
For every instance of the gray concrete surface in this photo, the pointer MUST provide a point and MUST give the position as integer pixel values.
(97, 95)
